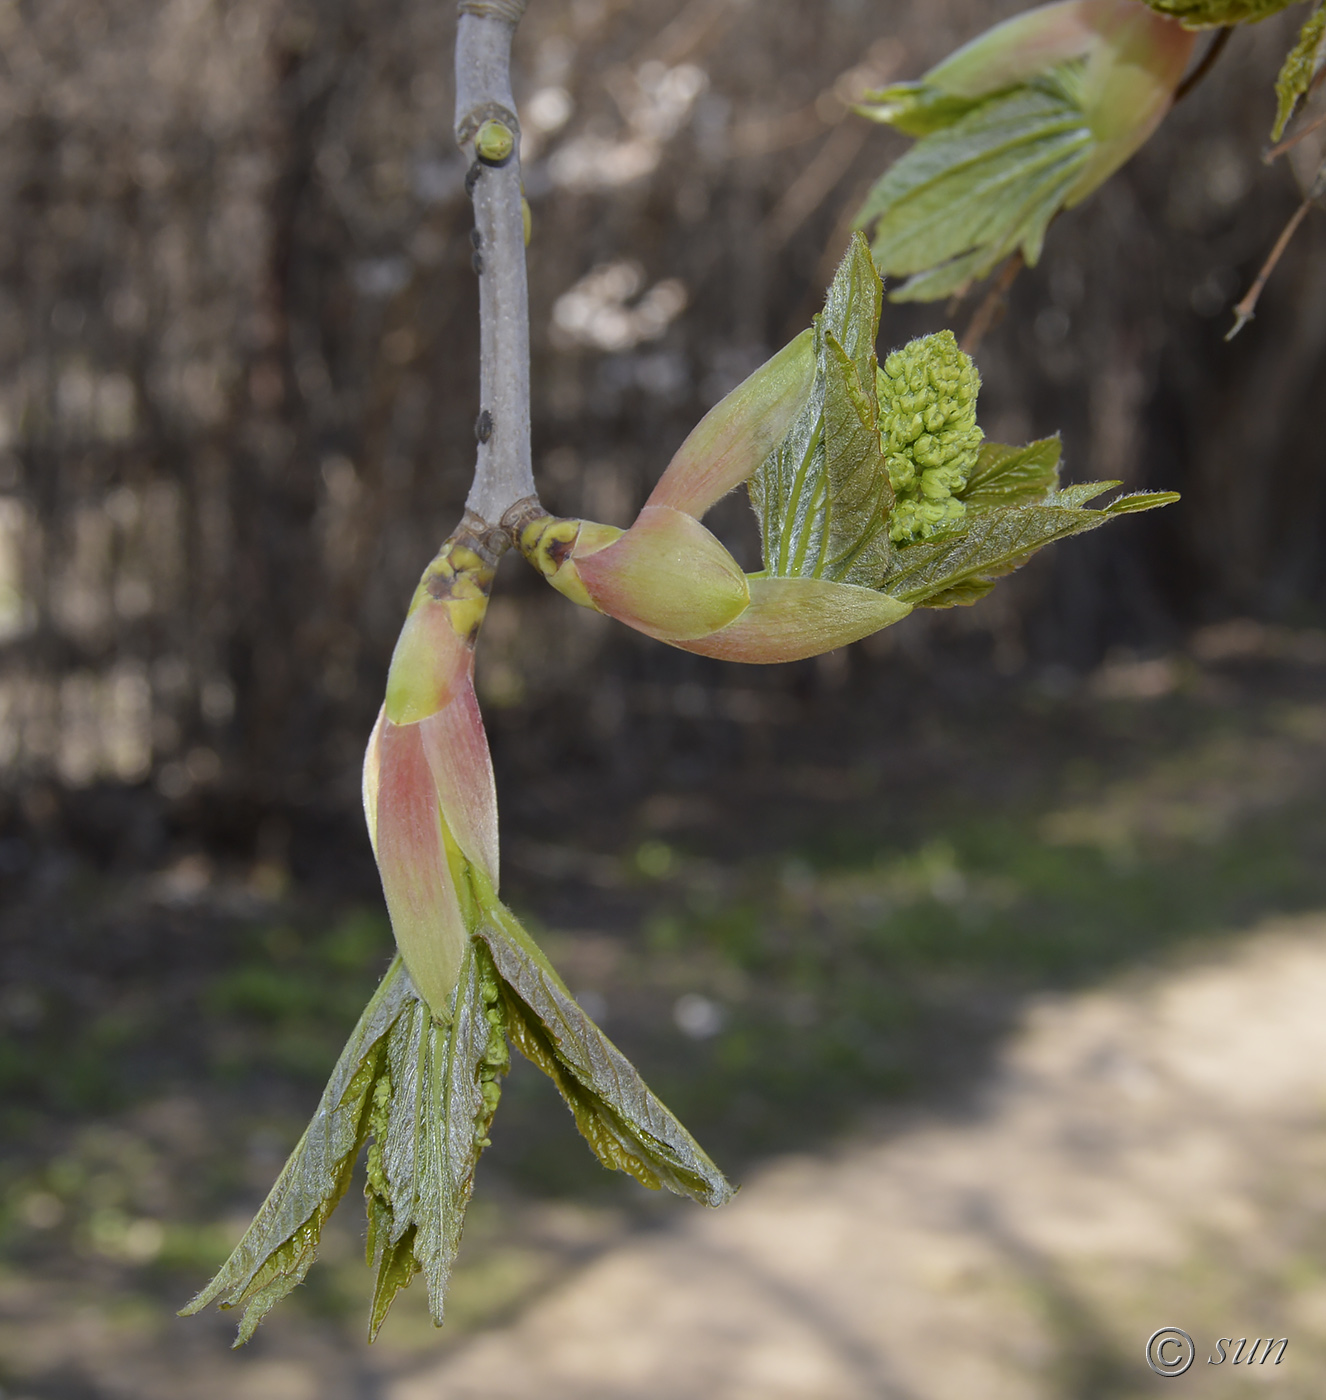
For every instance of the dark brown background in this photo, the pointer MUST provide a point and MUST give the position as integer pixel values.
(237, 374)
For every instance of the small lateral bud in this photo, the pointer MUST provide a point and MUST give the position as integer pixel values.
(494, 142)
(483, 426)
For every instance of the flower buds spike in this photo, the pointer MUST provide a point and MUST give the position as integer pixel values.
(927, 398)
(874, 466)
(1026, 120)
(429, 797)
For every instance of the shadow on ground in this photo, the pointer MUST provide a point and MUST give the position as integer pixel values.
(830, 942)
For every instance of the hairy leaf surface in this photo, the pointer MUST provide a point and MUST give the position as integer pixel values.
(822, 495)
(968, 194)
(421, 1172)
(1300, 67)
(416, 1086)
(950, 571)
(628, 1127)
(1010, 476)
(281, 1244)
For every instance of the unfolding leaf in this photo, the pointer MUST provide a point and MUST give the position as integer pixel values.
(967, 195)
(1138, 501)
(915, 108)
(626, 1125)
(282, 1242)
(1009, 476)
(1082, 492)
(852, 307)
(996, 542)
(1021, 122)
(853, 545)
(961, 595)
(821, 496)
(423, 1090)
(421, 1170)
(787, 489)
(1300, 67)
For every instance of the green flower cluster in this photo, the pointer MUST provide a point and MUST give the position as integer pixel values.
(927, 420)
(1196, 13)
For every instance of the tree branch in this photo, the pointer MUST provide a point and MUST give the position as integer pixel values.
(1207, 61)
(487, 131)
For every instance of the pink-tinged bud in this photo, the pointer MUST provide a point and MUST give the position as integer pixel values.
(1022, 47)
(428, 665)
(429, 797)
(418, 879)
(1135, 59)
(666, 576)
(371, 779)
(462, 767)
(739, 432)
(553, 544)
(435, 650)
(791, 618)
(1129, 85)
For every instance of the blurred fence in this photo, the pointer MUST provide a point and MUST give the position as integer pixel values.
(238, 337)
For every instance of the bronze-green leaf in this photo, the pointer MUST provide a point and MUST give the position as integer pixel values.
(1009, 476)
(628, 1127)
(968, 194)
(282, 1242)
(997, 541)
(1300, 67)
(821, 497)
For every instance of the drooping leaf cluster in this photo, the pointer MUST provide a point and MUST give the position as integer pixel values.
(420, 1091)
(895, 489)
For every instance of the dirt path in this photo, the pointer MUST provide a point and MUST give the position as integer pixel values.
(1147, 1155)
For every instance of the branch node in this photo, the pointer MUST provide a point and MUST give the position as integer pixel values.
(518, 516)
(489, 542)
(469, 127)
(510, 11)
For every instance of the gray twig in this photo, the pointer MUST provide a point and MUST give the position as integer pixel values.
(502, 472)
